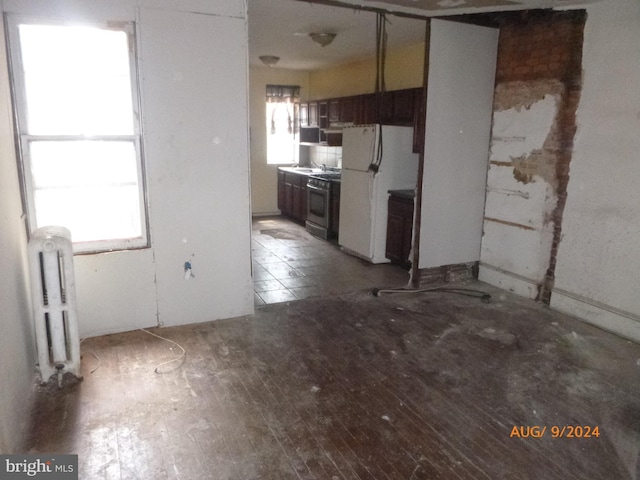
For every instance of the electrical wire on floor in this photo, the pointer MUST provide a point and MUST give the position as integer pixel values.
(468, 292)
(98, 359)
(181, 358)
(95, 355)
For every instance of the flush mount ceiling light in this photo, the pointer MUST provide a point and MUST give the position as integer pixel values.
(322, 39)
(269, 60)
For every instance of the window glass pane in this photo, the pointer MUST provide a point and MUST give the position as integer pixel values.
(77, 80)
(90, 187)
(281, 144)
(104, 213)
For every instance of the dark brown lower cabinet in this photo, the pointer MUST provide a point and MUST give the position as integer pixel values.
(335, 208)
(400, 227)
(297, 201)
(281, 192)
(299, 210)
(292, 195)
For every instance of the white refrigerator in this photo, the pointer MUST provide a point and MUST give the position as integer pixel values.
(364, 193)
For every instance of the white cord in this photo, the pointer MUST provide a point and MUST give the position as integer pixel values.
(181, 357)
(98, 359)
(95, 355)
(484, 296)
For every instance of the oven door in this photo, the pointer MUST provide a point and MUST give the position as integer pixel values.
(318, 206)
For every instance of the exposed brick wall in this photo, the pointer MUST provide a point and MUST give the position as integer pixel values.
(535, 47)
(541, 44)
(539, 53)
(458, 273)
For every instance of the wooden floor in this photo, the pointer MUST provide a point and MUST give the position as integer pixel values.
(419, 386)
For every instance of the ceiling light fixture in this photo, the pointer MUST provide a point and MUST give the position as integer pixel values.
(269, 60)
(322, 39)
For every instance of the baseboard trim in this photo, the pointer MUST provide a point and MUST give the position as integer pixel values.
(615, 320)
(523, 286)
(277, 213)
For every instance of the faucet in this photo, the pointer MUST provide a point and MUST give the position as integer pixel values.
(322, 166)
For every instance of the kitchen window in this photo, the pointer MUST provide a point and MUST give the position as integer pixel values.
(76, 101)
(282, 124)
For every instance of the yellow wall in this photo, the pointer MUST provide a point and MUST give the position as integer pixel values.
(404, 69)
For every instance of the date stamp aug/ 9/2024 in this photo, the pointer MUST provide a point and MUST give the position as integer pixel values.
(555, 431)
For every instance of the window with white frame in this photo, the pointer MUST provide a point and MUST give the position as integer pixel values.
(282, 123)
(76, 100)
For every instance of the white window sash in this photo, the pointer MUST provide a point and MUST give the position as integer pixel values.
(12, 23)
(99, 245)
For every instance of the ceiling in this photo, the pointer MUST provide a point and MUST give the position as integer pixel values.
(282, 27)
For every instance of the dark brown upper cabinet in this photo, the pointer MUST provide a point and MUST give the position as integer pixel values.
(347, 109)
(334, 110)
(313, 114)
(304, 114)
(397, 107)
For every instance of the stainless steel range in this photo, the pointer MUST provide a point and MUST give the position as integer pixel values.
(320, 188)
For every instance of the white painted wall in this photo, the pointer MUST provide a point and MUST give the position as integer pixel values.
(458, 125)
(121, 9)
(195, 103)
(599, 257)
(264, 177)
(194, 89)
(17, 345)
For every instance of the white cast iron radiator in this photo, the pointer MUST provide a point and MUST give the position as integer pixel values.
(54, 302)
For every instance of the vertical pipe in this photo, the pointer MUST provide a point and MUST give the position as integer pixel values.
(414, 280)
(55, 305)
(72, 332)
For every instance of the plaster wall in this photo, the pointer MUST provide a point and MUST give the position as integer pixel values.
(538, 87)
(599, 255)
(17, 345)
(404, 69)
(458, 128)
(521, 187)
(193, 73)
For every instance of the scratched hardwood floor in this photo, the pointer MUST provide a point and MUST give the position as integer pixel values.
(353, 386)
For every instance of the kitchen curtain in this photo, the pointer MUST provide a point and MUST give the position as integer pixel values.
(282, 123)
(282, 102)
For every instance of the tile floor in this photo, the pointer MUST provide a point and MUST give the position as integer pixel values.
(291, 264)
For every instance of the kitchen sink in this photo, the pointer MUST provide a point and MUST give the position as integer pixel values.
(307, 169)
(302, 169)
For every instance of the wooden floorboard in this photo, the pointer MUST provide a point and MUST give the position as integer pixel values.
(427, 386)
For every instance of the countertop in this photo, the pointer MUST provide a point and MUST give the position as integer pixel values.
(301, 170)
(309, 170)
